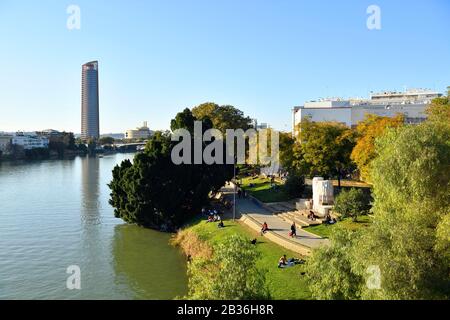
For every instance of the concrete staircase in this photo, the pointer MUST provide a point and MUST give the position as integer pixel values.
(299, 217)
(279, 207)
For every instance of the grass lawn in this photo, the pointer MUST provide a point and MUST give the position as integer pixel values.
(284, 284)
(324, 230)
(262, 190)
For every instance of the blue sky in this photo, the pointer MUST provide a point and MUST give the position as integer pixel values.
(158, 57)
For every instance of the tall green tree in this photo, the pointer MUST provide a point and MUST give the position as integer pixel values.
(324, 149)
(155, 192)
(287, 143)
(411, 187)
(222, 117)
(408, 242)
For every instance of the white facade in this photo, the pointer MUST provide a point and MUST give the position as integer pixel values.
(139, 133)
(411, 103)
(29, 141)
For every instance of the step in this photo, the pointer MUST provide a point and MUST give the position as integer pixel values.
(290, 217)
(301, 217)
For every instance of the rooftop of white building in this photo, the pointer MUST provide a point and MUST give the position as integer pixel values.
(410, 96)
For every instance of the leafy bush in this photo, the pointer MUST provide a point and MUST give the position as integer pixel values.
(230, 275)
(352, 203)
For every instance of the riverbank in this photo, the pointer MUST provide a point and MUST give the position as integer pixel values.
(68, 155)
(283, 284)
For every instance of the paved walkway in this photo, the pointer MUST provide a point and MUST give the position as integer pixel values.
(276, 225)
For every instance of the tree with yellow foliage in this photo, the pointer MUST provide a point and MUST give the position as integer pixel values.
(368, 130)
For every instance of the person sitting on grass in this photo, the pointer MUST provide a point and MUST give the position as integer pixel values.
(210, 219)
(264, 228)
(282, 262)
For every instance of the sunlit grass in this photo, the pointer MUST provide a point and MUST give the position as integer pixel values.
(283, 284)
(324, 230)
(261, 189)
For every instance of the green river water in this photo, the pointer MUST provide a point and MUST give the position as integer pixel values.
(55, 214)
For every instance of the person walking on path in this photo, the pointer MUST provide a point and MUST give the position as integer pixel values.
(293, 230)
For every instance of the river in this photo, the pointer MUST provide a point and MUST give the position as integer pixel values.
(55, 214)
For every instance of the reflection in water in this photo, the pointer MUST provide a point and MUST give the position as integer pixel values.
(54, 214)
(143, 261)
(90, 174)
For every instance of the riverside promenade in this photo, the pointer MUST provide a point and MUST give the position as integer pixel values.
(254, 215)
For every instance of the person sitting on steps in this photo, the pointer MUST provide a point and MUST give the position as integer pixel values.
(264, 228)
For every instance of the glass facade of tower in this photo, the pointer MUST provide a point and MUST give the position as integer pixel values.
(89, 101)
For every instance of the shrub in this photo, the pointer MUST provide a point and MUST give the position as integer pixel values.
(230, 275)
(295, 185)
(352, 203)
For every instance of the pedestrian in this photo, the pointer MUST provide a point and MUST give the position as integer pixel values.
(239, 193)
(293, 230)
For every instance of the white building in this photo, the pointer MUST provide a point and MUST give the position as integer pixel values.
(29, 141)
(139, 133)
(411, 103)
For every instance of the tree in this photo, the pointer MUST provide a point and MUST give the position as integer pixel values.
(106, 140)
(411, 184)
(156, 193)
(439, 109)
(287, 143)
(408, 241)
(368, 130)
(294, 185)
(184, 119)
(324, 149)
(330, 275)
(222, 117)
(352, 203)
(230, 275)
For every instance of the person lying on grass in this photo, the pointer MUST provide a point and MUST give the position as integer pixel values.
(282, 262)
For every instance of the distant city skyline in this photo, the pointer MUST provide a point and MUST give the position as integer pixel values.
(158, 58)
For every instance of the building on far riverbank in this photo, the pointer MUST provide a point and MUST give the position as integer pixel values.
(139, 133)
(411, 103)
(29, 141)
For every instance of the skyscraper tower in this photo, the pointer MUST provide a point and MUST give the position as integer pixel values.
(89, 101)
